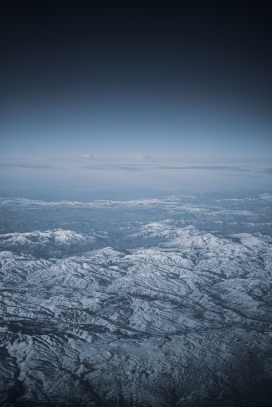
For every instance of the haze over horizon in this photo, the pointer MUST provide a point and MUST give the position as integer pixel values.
(136, 95)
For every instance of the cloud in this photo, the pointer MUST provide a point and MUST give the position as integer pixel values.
(266, 171)
(86, 156)
(203, 167)
(141, 157)
(32, 166)
(122, 167)
(106, 164)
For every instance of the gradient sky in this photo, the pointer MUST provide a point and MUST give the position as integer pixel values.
(150, 94)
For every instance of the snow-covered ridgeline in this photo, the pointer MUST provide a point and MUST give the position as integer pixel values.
(138, 312)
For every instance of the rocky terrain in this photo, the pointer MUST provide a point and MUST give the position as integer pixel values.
(151, 302)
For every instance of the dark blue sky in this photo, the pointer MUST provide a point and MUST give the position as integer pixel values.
(183, 82)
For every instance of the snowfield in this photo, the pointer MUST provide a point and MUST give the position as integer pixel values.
(154, 302)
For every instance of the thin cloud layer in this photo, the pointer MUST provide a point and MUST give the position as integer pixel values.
(122, 172)
(204, 167)
(30, 166)
(267, 170)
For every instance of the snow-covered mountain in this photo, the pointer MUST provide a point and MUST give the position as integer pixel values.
(52, 243)
(153, 306)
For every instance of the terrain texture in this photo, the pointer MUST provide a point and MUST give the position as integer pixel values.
(162, 302)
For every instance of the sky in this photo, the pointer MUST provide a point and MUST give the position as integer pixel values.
(136, 94)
